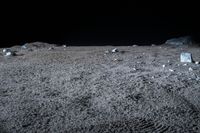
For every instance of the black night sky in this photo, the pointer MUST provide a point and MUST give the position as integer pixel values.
(98, 23)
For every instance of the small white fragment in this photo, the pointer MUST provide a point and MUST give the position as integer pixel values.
(64, 46)
(171, 70)
(184, 64)
(115, 50)
(196, 62)
(153, 45)
(163, 66)
(152, 77)
(135, 45)
(8, 53)
(6, 50)
(50, 48)
(168, 61)
(190, 69)
(134, 69)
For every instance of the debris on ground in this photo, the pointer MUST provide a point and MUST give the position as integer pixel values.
(64, 46)
(196, 62)
(51, 48)
(163, 66)
(186, 57)
(8, 52)
(115, 50)
(190, 69)
(117, 59)
(171, 70)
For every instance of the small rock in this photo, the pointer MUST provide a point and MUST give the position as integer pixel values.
(184, 64)
(8, 52)
(196, 62)
(171, 70)
(64, 46)
(186, 57)
(168, 61)
(153, 45)
(50, 48)
(190, 69)
(115, 50)
(134, 69)
(163, 66)
(24, 47)
(135, 45)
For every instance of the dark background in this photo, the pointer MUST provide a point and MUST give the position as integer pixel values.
(97, 23)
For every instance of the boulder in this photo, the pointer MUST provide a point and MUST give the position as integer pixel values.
(186, 57)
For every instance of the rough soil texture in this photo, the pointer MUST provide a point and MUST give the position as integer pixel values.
(82, 89)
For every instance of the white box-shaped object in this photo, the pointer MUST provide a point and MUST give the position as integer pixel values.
(186, 57)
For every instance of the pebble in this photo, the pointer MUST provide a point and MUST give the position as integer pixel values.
(115, 50)
(171, 70)
(163, 66)
(190, 69)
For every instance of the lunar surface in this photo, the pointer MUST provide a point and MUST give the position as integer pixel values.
(46, 88)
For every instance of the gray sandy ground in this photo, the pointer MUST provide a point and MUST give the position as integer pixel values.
(82, 89)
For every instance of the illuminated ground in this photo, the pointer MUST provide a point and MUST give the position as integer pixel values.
(83, 89)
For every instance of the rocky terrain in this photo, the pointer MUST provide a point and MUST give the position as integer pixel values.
(56, 89)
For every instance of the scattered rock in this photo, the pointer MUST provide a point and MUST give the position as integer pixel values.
(8, 52)
(51, 48)
(134, 69)
(186, 40)
(186, 57)
(163, 66)
(24, 46)
(115, 50)
(190, 69)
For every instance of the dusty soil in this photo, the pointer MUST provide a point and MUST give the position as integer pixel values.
(83, 89)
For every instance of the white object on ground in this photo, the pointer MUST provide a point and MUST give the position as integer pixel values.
(6, 50)
(8, 53)
(186, 57)
(184, 64)
(171, 70)
(163, 66)
(115, 50)
(196, 62)
(135, 45)
(190, 69)
(64, 46)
